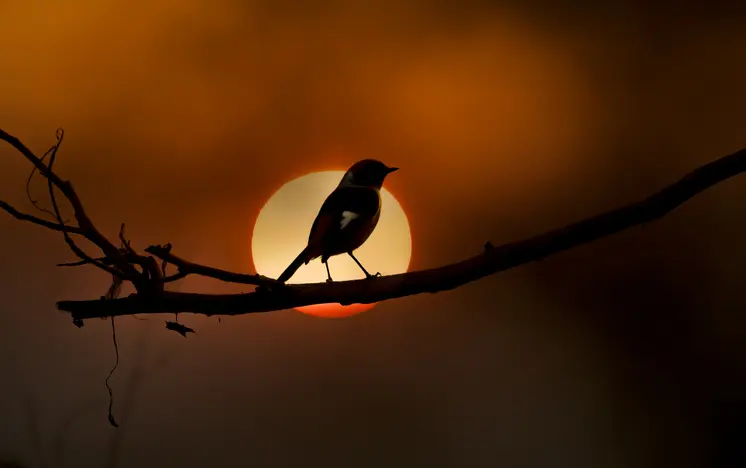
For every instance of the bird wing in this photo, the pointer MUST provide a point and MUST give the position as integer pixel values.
(343, 211)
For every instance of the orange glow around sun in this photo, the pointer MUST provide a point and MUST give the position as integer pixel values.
(281, 232)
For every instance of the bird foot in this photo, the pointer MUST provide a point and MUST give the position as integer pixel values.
(329, 280)
(377, 275)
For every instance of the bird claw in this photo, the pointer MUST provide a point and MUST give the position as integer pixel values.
(377, 275)
(329, 280)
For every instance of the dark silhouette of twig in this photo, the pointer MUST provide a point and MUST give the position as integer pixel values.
(35, 203)
(57, 454)
(188, 268)
(41, 222)
(269, 295)
(112, 421)
(85, 226)
(139, 371)
(113, 293)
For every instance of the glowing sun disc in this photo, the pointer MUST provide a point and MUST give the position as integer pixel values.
(281, 232)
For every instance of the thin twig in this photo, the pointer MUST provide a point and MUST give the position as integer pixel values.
(41, 222)
(85, 226)
(34, 170)
(112, 421)
(188, 268)
(73, 246)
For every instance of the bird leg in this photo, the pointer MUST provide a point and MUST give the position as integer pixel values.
(367, 275)
(328, 274)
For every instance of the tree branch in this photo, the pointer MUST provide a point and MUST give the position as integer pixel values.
(492, 260)
(41, 222)
(86, 226)
(188, 268)
(69, 240)
(151, 297)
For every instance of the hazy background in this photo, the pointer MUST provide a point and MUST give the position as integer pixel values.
(182, 118)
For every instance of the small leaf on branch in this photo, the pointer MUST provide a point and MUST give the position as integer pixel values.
(179, 328)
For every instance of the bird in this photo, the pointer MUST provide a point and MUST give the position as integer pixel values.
(346, 219)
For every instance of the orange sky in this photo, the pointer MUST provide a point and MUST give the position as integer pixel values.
(183, 116)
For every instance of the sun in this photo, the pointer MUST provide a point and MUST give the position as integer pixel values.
(281, 232)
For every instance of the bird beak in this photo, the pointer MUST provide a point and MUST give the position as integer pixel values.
(391, 169)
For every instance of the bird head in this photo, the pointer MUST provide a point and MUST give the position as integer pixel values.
(368, 173)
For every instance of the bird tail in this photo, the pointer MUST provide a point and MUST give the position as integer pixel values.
(304, 257)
